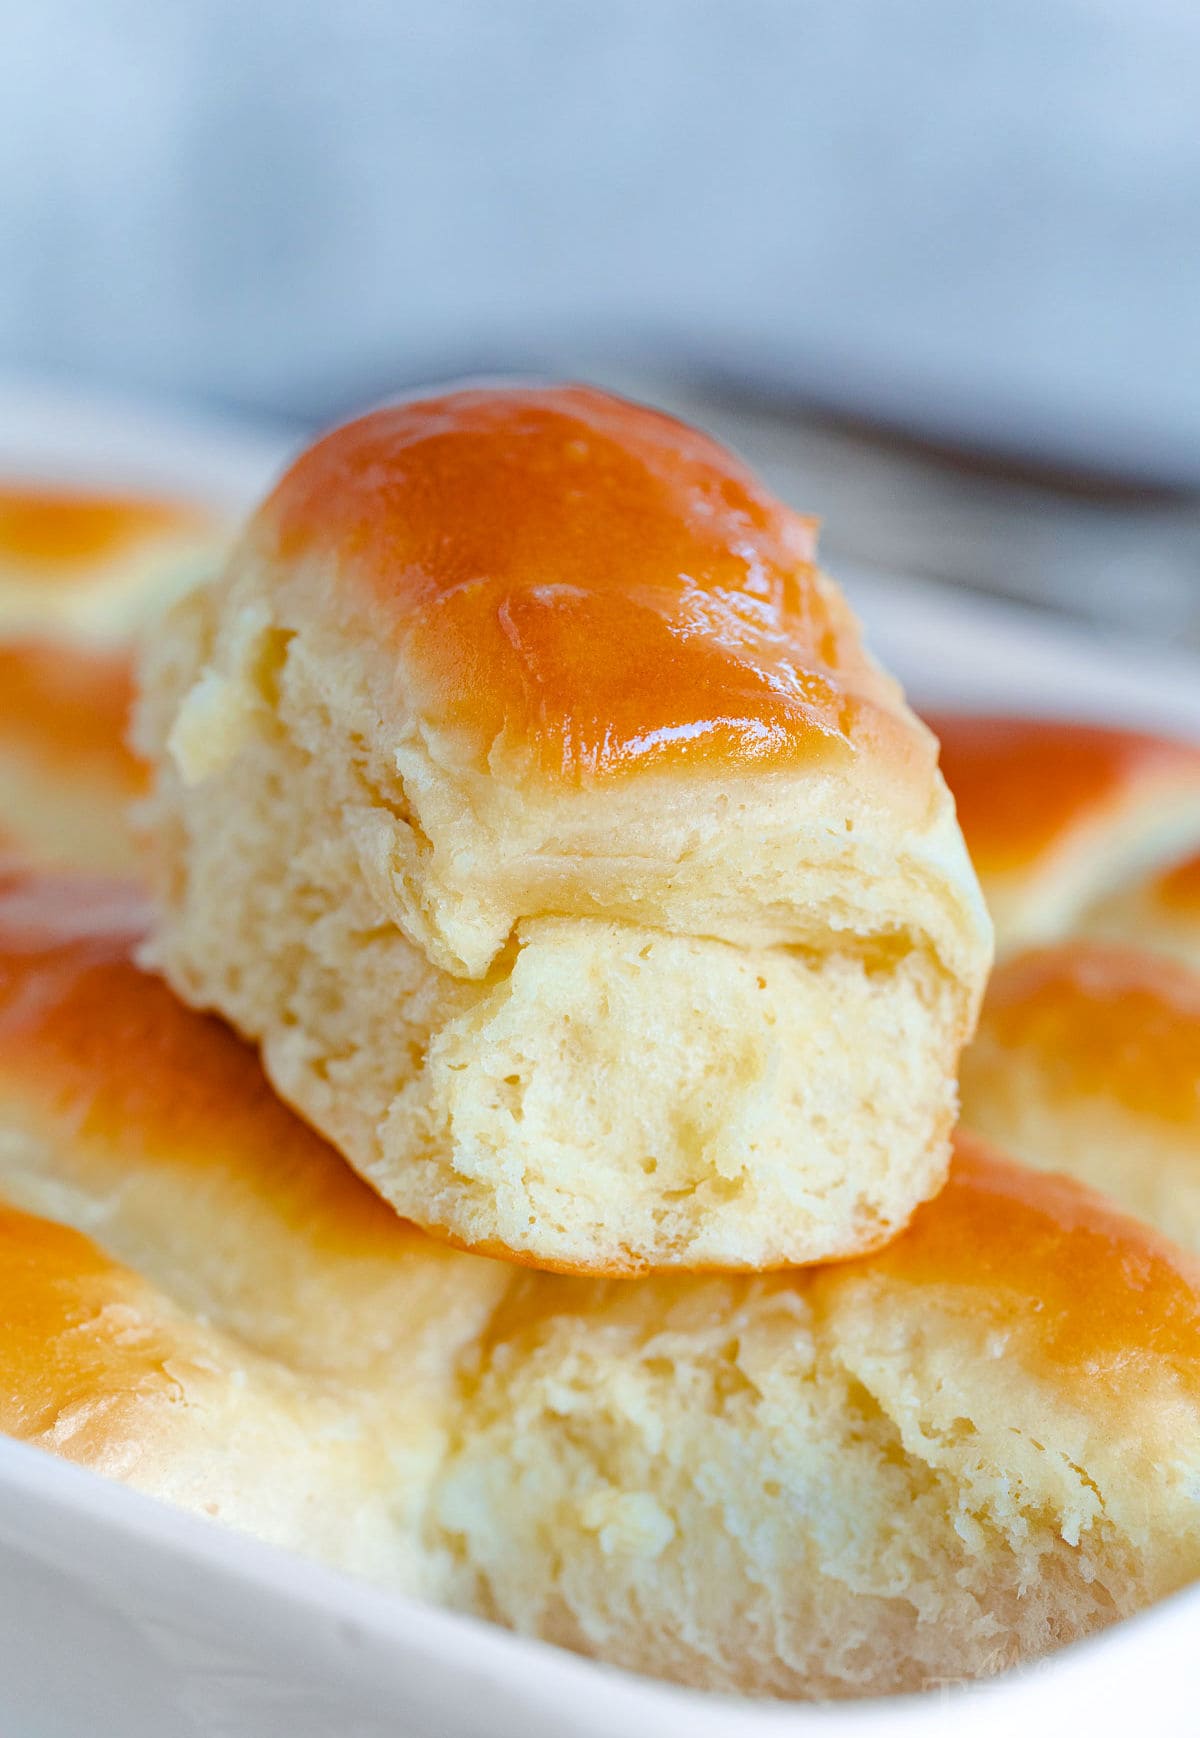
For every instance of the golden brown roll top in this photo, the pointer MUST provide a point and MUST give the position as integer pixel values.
(98, 1366)
(1057, 816)
(83, 563)
(1087, 1060)
(579, 582)
(1060, 1272)
(85, 1368)
(154, 1128)
(936, 1460)
(79, 571)
(527, 794)
(581, 633)
(1106, 1017)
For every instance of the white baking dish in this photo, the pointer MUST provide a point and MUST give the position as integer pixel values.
(122, 1619)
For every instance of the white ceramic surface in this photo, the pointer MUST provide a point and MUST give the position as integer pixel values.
(122, 1619)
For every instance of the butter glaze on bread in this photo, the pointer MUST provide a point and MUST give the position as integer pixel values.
(78, 572)
(525, 792)
(1058, 816)
(166, 1107)
(98, 1366)
(585, 587)
(1087, 1060)
(87, 564)
(932, 1462)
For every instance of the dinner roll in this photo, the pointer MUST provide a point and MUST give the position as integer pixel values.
(99, 1367)
(152, 1129)
(928, 1463)
(921, 1466)
(1087, 1060)
(524, 790)
(78, 572)
(67, 774)
(149, 1108)
(1057, 816)
(87, 564)
(1162, 911)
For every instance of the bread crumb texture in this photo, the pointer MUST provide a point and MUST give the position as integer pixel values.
(677, 1022)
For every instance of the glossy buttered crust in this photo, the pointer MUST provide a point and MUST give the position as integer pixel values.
(1059, 816)
(1087, 1057)
(585, 587)
(87, 564)
(102, 1368)
(1087, 1060)
(79, 572)
(934, 1461)
(526, 792)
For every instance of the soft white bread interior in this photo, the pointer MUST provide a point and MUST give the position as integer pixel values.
(525, 792)
(922, 1465)
(932, 1462)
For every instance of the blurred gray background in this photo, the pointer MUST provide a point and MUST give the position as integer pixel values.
(936, 263)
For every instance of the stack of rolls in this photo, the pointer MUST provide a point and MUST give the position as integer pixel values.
(1062, 818)
(928, 1463)
(509, 1153)
(81, 570)
(1087, 1058)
